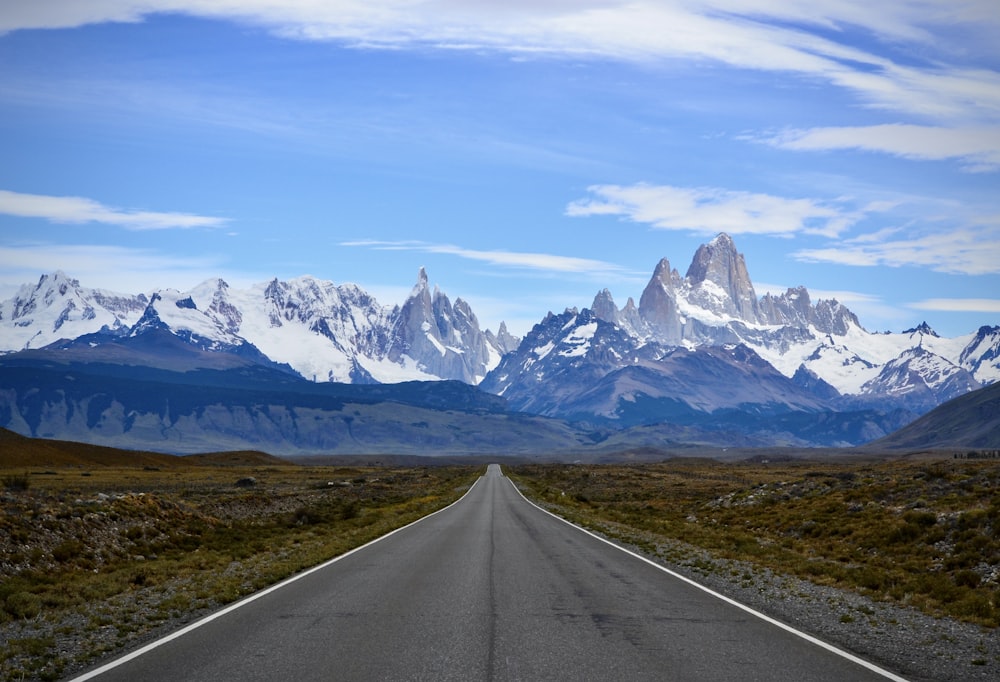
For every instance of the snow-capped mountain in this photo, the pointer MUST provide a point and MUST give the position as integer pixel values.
(441, 339)
(578, 366)
(324, 331)
(829, 360)
(922, 378)
(815, 354)
(700, 353)
(57, 307)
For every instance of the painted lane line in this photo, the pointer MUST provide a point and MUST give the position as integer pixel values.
(254, 597)
(788, 628)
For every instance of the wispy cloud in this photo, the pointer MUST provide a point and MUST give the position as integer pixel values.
(543, 262)
(118, 268)
(958, 305)
(82, 210)
(710, 210)
(977, 148)
(812, 39)
(963, 250)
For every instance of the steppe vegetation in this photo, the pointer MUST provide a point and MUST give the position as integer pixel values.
(920, 533)
(102, 549)
(94, 558)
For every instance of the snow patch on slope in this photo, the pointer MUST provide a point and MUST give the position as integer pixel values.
(579, 340)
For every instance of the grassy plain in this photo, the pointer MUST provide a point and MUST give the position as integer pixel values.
(94, 555)
(922, 533)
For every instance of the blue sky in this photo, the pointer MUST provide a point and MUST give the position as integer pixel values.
(528, 154)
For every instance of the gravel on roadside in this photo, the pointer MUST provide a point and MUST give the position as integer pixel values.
(896, 637)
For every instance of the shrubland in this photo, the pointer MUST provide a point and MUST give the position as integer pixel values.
(921, 533)
(96, 558)
(93, 559)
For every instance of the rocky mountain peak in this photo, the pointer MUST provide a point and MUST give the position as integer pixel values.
(982, 355)
(718, 263)
(663, 275)
(49, 288)
(57, 280)
(924, 377)
(604, 307)
(440, 339)
(658, 304)
(713, 261)
(150, 317)
(795, 308)
(922, 328)
(503, 340)
(792, 307)
(629, 317)
(223, 308)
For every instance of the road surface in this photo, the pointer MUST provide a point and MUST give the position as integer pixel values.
(491, 588)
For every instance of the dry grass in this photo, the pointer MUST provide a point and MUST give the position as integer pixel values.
(920, 533)
(20, 452)
(99, 547)
(91, 558)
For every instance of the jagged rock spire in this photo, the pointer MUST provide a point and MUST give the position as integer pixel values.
(658, 303)
(719, 263)
(604, 307)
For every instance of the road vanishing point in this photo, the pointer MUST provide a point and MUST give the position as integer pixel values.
(490, 588)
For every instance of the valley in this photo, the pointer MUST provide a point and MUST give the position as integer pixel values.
(100, 553)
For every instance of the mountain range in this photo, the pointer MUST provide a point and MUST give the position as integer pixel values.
(700, 358)
(705, 342)
(322, 331)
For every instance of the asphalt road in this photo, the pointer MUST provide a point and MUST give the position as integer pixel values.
(491, 588)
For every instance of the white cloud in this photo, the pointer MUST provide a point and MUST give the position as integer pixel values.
(54, 14)
(958, 305)
(962, 250)
(81, 210)
(543, 262)
(710, 210)
(812, 39)
(978, 148)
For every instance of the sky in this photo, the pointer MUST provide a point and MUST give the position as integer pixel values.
(527, 154)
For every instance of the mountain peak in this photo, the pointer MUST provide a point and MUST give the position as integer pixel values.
(662, 274)
(57, 277)
(715, 261)
(658, 303)
(922, 328)
(604, 307)
(723, 241)
(57, 307)
(421, 290)
(719, 263)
